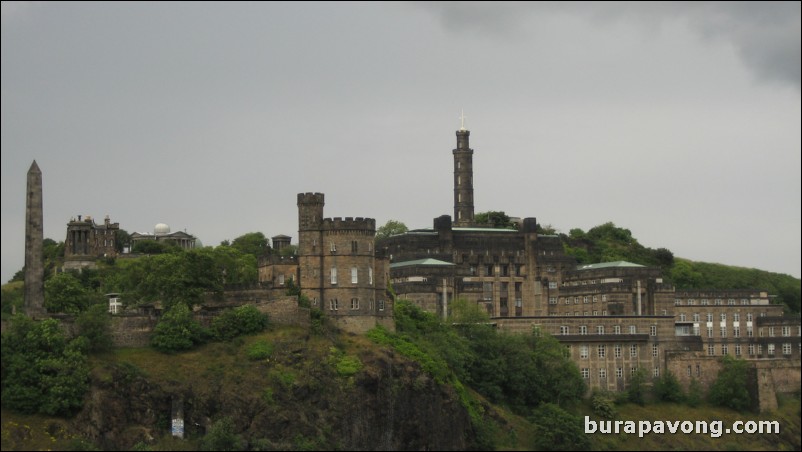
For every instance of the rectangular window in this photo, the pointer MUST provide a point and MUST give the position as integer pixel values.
(711, 350)
(354, 303)
(381, 305)
(633, 329)
(617, 329)
(370, 276)
(619, 372)
(552, 300)
(710, 331)
(695, 316)
(633, 371)
(736, 317)
(333, 247)
(280, 280)
(552, 285)
(602, 351)
(770, 349)
(771, 331)
(736, 331)
(653, 330)
(787, 349)
(737, 349)
(725, 349)
(583, 351)
(334, 275)
(617, 350)
(583, 330)
(600, 329)
(749, 332)
(489, 270)
(656, 372)
(709, 316)
(505, 270)
(786, 331)
(655, 350)
(585, 300)
(354, 246)
(760, 349)
(602, 373)
(723, 331)
(751, 349)
(354, 275)
(633, 351)
(748, 316)
(567, 351)
(723, 316)
(698, 370)
(585, 373)
(564, 330)
(334, 304)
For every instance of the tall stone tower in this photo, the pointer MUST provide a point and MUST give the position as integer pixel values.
(310, 246)
(34, 238)
(463, 179)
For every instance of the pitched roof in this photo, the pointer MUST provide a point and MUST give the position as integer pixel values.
(607, 265)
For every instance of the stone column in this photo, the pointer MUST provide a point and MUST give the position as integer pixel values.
(34, 238)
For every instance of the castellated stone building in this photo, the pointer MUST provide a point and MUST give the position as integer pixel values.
(87, 241)
(336, 267)
(613, 318)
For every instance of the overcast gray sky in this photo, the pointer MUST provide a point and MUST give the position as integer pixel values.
(678, 121)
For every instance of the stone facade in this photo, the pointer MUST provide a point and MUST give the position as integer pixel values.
(339, 270)
(87, 241)
(613, 317)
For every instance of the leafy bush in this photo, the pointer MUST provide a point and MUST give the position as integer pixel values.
(237, 322)
(668, 389)
(637, 387)
(95, 325)
(603, 405)
(42, 372)
(729, 389)
(695, 393)
(222, 436)
(177, 331)
(556, 429)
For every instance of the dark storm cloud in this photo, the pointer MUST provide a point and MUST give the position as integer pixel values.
(765, 34)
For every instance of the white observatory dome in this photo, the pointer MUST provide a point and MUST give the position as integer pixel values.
(161, 229)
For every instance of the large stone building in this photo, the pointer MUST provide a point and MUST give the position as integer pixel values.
(161, 233)
(336, 267)
(613, 317)
(87, 241)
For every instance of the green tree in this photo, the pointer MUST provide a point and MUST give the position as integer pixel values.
(392, 227)
(177, 331)
(496, 219)
(730, 388)
(222, 436)
(95, 325)
(695, 393)
(237, 322)
(637, 387)
(253, 243)
(668, 389)
(42, 372)
(64, 293)
(122, 239)
(153, 247)
(557, 429)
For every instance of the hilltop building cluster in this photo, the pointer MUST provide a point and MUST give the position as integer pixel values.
(612, 317)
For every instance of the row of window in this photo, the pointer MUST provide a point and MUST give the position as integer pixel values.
(736, 331)
(577, 314)
(585, 299)
(751, 348)
(619, 372)
(334, 304)
(354, 275)
(736, 316)
(583, 330)
(601, 350)
(354, 246)
(503, 270)
(706, 302)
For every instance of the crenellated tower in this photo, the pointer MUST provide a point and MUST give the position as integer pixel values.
(463, 178)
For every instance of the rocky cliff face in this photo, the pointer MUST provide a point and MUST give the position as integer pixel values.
(296, 399)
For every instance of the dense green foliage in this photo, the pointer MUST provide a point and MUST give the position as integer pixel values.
(253, 243)
(65, 293)
(154, 247)
(730, 387)
(42, 372)
(668, 389)
(94, 325)
(636, 393)
(557, 429)
(520, 371)
(608, 243)
(495, 219)
(238, 322)
(221, 436)
(392, 227)
(177, 331)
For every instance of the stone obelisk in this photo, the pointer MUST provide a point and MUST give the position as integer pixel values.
(34, 238)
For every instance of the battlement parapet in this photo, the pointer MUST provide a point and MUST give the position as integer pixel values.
(349, 224)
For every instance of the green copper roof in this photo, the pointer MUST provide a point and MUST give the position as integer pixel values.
(607, 265)
(434, 262)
